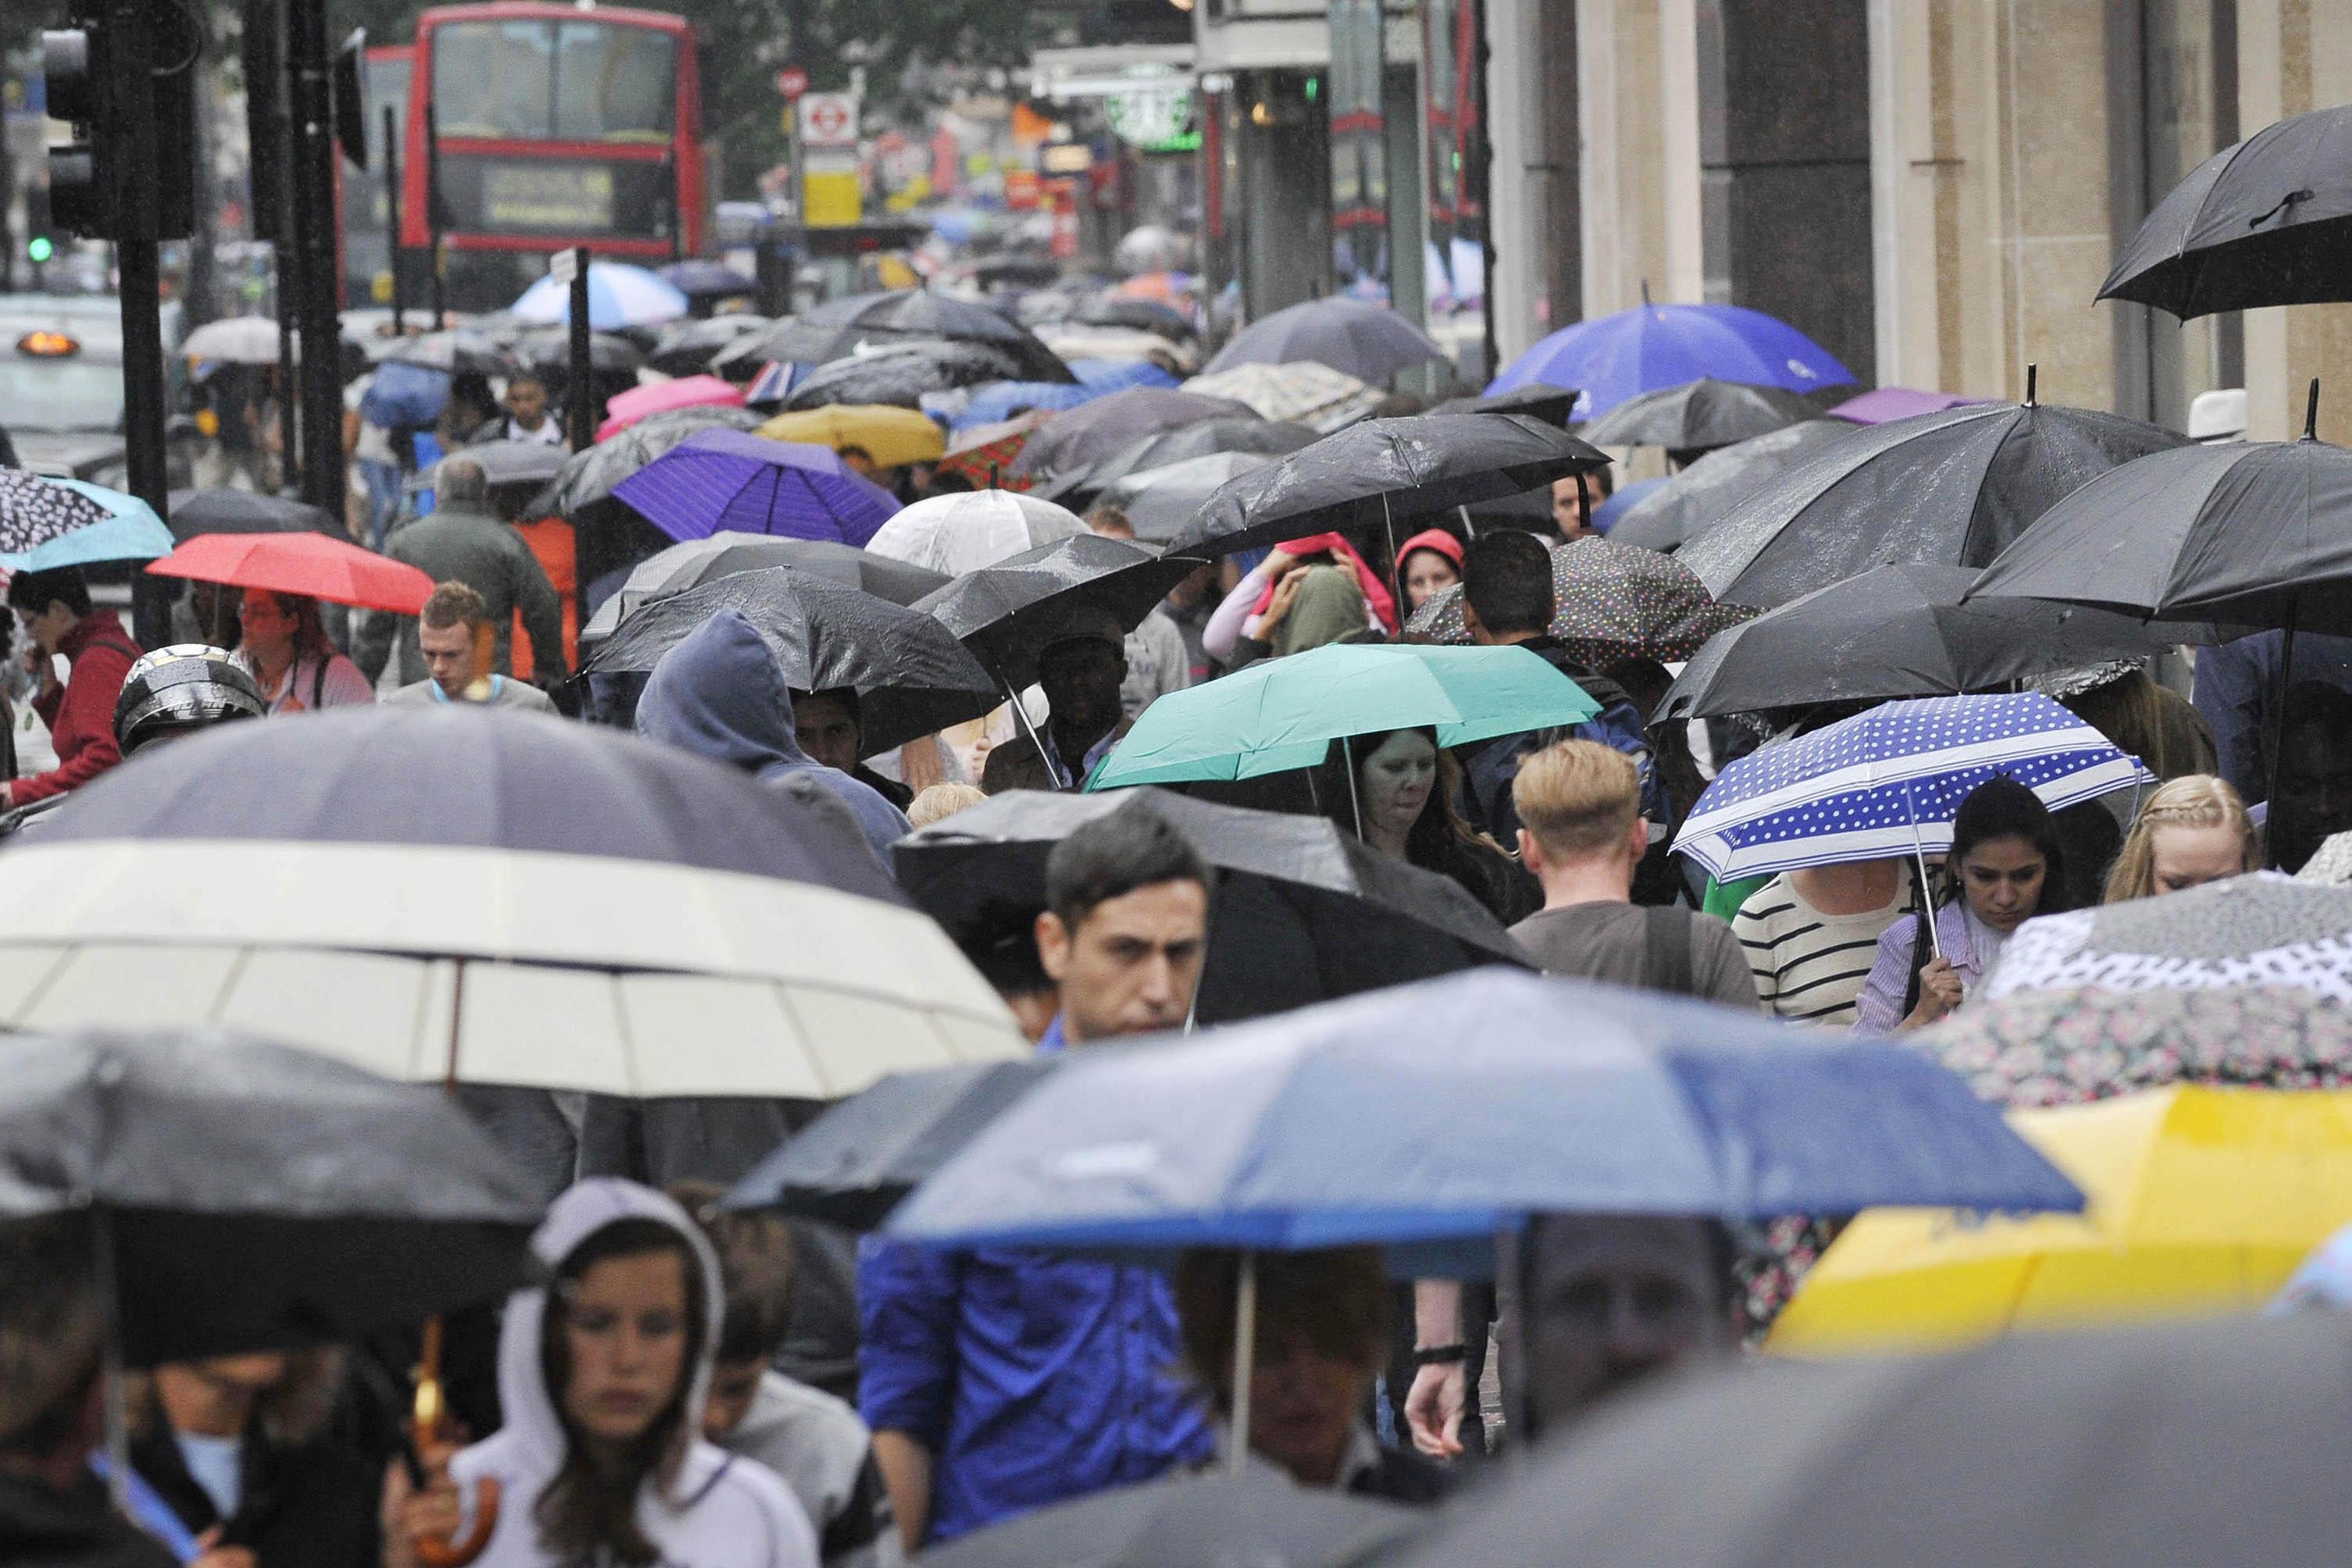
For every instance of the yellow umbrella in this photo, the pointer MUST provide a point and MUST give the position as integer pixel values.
(2202, 1201)
(893, 437)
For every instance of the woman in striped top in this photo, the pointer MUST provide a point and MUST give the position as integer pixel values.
(1811, 936)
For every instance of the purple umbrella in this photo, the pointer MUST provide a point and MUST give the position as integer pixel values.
(724, 479)
(1886, 404)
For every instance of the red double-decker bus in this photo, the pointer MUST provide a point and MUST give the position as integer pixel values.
(559, 125)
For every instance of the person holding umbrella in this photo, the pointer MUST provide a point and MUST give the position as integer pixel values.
(55, 614)
(1082, 675)
(1428, 564)
(286, 650)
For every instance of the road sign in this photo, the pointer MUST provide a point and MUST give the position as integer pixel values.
(829, 120)
(563, 266)
(831, 199)
(791, 81)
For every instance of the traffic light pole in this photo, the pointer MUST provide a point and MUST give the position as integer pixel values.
(312, 180)
(137, 198)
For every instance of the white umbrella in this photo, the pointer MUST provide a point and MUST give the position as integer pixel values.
(963, 533)
(1312, 395)
(237, 340)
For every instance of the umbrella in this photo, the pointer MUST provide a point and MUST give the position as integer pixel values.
(49, 523)
(982, 454)
(1651, 347)
(1613, 602)
(1256, 1518)
(1902, 631)
(1159, 501)
(1371, 342)
(1008, 613)
(1383, 472)
(1888, 781)
(892, 438)
(1284, 713)
(235, 340)
(1109, 375)
(1111, 422)
(686, 348)
(722, 554)
(249, 1196)
(1452, 1108)
(2199, 1442)
(2262, 222)
(1951, 489)
(1695, 500)
(911, 677)
(1075, 340)
(1885, 404)
(549, 350)
(509, 466)
(962, 532)
(244, 511)
(906, 315)
(726, 479)
(451, 894)
(626, 408)
(1313, 394)
(2247, 931)
(455, 350)
(588, 477)
(1266, 437)
(901, 373)
(1536, 399)
(323, 567)
(1153, 316)
(2330, 865)
(999, 401)
(1303, 911)
(1705, 413)
(2202, 1201)
(700, 280)
(1166, 283)
(619, 295)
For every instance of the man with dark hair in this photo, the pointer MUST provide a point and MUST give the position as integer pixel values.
(55, 615)
(832, 731)
(526, 416)
(453, 632)
(460, 542)
(999, 1382)
(1575, 498)
(1081, 675)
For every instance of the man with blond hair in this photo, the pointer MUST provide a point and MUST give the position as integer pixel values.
(455, 634)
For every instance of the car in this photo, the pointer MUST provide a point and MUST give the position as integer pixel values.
(62, 385)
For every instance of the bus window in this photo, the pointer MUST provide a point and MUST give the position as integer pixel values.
(494, 79)
(614, 84)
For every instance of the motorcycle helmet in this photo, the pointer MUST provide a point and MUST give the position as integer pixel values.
(182, 688)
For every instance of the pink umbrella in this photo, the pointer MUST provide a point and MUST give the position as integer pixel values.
(1886, 404)
(686, 391)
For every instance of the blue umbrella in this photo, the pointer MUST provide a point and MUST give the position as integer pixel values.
(619, 295)
(1001, 400)
(1117, 375)
(1888, 781)
(1622, 499)
(71, 522)
(1445, 1111)
(724, 480)
(695, 278)
(1652, 347)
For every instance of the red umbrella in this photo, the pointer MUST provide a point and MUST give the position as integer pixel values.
(312, 564)
(685, 391)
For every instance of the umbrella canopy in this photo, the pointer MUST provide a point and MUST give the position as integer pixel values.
(246, 511)
(1371, 342)
(686, 348)
(901, 373)
(257, 1196)
(548, 350)
(510, 466)
(587, 478)
(1314, 394)
(1075, 340)
(1153, 316)
(1903, 631)
(1284, 713)
(1705, 413)
(1325, 1127)
(1613, 602)
(1113, 421)
(911, 677)
(726, 479)
(1207, 438)
(1536, 399)
(235, 339)
(1651, 347)
(908, 315)
(984, 454)
(1951, 490)
(960, 533)
(49, 523)
(1159, 501)
(2247, 532)
(2205, 1443)
(699, 561)
(323, 567)
(1887, 783)
(2260, 223)
(999, 401)
(687, 392)
(1010, 612)
(2256, 930)
(700, 280)
(455, 350)
(1110, 375)
(892, 438)
(1303, 911)
(1195, 1522)
(1702, 495)
(1384, 472)
(1885, 404)
(619, 295)
(2202, 1201)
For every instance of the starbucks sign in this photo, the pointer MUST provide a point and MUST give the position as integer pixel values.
(1154, 118)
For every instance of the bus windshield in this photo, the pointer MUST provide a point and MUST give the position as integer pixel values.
(546, 80)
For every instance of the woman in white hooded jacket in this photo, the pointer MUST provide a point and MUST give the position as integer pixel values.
(602, 1376)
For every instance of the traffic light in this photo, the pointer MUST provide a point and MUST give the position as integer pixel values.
(85, 91)
(81, 195)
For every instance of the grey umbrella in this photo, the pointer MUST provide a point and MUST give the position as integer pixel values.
(1702, 495)
(697, 560)
(1008, 613)
(2280, 932)
(1371, 342)
(1251, 1521)
(1095, 430)
(2213, 1443)
(1705, 413)
(1159, 501)
(900, 372)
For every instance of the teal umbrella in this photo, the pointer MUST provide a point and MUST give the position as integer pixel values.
(89, 523)
(1284, 713)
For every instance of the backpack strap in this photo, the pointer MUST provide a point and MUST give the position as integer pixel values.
(1666, 949)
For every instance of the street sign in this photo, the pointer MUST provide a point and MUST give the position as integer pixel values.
(563, 266)
(791, 81)
(829, 120)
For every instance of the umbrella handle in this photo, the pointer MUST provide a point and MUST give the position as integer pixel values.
(458, 1553)
(428, 1419)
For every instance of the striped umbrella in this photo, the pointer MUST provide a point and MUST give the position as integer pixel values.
(619, 295)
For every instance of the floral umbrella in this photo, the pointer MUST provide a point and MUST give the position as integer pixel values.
(1616, 602)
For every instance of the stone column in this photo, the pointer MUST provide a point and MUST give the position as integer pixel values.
(1534, 210)
(2294, 56)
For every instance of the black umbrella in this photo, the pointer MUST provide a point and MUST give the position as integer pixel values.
(1902, 631)
(1140, 315)
(907, 315)
(911, 677)
(699, 561)
(901, 373)
(2264, 221)
(1952, 489)
(1255, 1518)
(1536, 399)
(455, 350)
(1698, 414)
(1009, 613)
(1304, 910)
(2216, 1442)
(1095, 430)
(248, 1196)
(1383, 472)
(510, 465)
(684, 348)
(1161, 502)
(244, 511)
(1207, 437)
(1371, 342)
(548, 351)
(1702, 495)
(588, 477)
